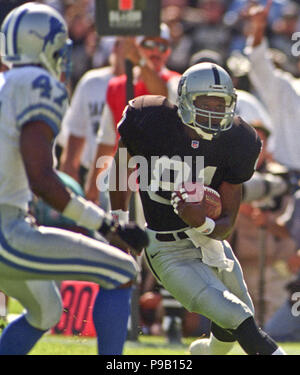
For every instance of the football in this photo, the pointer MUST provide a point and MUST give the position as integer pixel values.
(196, 192)
(213, 203)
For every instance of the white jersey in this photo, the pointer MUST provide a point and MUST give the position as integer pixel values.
(26, 94)
(84, 114)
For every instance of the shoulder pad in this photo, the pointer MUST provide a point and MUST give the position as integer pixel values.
(149, 101)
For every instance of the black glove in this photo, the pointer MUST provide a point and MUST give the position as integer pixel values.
(132, 236)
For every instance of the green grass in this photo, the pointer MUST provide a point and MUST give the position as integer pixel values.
(146, 345)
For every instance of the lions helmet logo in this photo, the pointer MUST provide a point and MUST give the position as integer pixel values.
(56, 27)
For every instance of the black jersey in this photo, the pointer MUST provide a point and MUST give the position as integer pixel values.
(166, 155)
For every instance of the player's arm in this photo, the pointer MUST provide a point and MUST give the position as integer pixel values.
(194, 215)
(36, 149)
(71, 156)
(231, 195)
(258, 17)
(36, 140)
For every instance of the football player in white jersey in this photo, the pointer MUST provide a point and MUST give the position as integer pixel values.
(32, 104)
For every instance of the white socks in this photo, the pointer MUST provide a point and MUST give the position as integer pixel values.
(212, 346)
(279, 351)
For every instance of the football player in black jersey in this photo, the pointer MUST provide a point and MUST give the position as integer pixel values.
(200, 140)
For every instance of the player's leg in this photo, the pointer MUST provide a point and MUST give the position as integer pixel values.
(179, 268)
(47, 253)
(252, 339)
(221, 341)
(110, 314)
(30, 252)
(199, 290)
(42, 303)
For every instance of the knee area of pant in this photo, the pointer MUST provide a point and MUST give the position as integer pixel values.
(47, 317)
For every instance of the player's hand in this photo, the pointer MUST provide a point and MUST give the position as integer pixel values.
(125, 236)
(192, 213)
(258, 13)
(131, 50)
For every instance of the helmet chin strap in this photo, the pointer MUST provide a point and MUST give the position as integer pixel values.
(201, 133)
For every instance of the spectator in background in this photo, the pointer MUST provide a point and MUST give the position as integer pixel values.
(284, 323)
(181, 41)
(280, 96)
(234, 19)
(211, 32)
(149, 56)
(83, 118)
(80, 29)
(284, 27)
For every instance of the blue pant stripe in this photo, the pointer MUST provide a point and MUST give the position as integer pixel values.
(44, 260)
(57, 273)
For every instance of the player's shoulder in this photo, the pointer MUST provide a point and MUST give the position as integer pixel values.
(148, 113)
(153, 109)
(151, 103)
(243, 131)
(37, 96)
(31, 76)
(242, 138)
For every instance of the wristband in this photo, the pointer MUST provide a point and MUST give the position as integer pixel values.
(120, 215)
(206, 228)
(84, 213)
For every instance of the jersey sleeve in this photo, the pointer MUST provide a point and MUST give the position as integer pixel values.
(40, 97)
(141, 126)
(131, 131)
(243, 156)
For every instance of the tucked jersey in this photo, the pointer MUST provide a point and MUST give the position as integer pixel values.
(166, 156)
(26, 94)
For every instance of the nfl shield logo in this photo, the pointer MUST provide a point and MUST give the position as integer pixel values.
(195, 144)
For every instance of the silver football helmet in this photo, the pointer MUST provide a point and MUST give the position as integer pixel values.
(211, 80)
(37, 34)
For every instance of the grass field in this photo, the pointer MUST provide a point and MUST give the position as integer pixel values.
(145, 345)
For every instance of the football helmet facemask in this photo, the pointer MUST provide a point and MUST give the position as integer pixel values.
(211, 80)
(36, 34)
